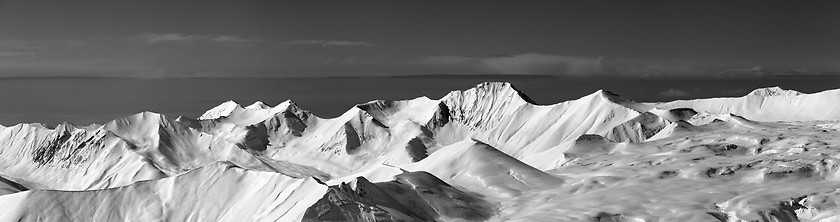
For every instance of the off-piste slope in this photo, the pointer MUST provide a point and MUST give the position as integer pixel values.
(410, 196)
(177, 148)
(215, 192)
(337, 145)
(222, 191)
(70, 158)
(729, 171)
(498, 115)
(482, 168)
(139, 147)
(399, 132)
(485, 153)
(648, 124)
(769, 104)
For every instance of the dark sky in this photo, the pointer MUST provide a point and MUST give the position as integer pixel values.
(154, 39)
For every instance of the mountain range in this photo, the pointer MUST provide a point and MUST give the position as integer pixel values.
(488, 153)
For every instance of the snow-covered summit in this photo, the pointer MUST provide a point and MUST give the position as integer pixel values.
(769, 104)
(483, 153)
(258, 105)
(774, 91)
(221, 110)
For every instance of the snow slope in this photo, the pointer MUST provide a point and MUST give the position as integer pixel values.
(486, 153)
(215, 192)
(411, 196)
(140, 147)
(769, 104)
(365, 135)
(71, 158)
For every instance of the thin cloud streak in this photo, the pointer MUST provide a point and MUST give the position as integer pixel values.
(179, 38)
(192, 39)
(327, 43)
(530, 63)
(581, 66)
(39, 44)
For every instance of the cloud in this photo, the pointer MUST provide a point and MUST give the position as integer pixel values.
(233, 39)
(39, 44)
(179, 38)
(326, 43)
(563, 65)
(530, 63)
(674, 93)
(193, 39)
(153, 38)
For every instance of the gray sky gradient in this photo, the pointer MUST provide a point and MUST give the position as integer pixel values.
(159, 39)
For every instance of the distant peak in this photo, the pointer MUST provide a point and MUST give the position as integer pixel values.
(221, 110)
(183, 118)
(258, 105)
(229, 103)
(609, 95)
(492, 87)
(66, 126)
(289, 102)
(774, 91)
(292, 107)
(617, 99)
(496, 88)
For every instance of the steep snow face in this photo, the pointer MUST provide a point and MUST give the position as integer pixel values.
(477, 166)
(364, 135)
(486, 153)
(522, 129)
(215, 192)
(392, 113)
(480, 107)
(367, 134)
(69, 158)
(774, 91)
(144, 146)
(638, 129)
(649, 124)
(770, 104)
(176, 148)
(232, 112)
(411, 196)
(222, 110)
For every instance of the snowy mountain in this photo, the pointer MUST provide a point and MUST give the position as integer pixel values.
(769, 104)
(487, 153)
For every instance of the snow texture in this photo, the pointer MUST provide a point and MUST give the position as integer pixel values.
(488, 153)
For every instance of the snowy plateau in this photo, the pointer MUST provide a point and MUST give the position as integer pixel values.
(487, 153)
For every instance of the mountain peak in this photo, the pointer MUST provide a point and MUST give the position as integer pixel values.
(258, 105)
(617, 99)
(221, 110)
(774, 91)
(496, 89)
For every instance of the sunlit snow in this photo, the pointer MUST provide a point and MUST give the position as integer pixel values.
(487, 153)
